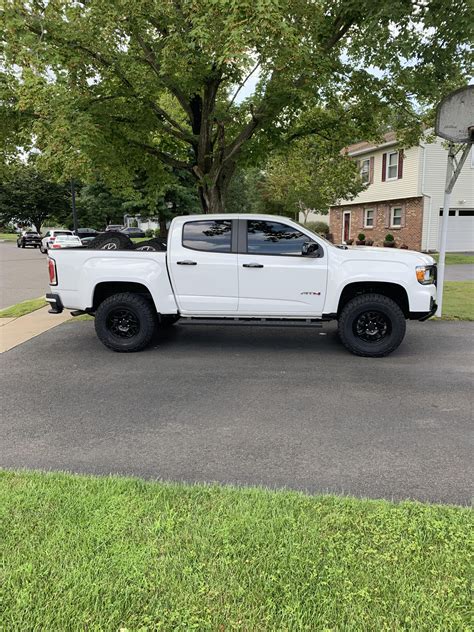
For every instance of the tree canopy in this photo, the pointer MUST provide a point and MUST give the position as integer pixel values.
(115, 86)
(28, 198)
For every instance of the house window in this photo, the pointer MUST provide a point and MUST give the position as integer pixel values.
(396, 213)
(365, 170)
(369, 214)
(392, 165)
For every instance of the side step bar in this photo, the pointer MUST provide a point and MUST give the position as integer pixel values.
(252, 322)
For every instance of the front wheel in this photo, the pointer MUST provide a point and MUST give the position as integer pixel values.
(125, 322)
(371, 325)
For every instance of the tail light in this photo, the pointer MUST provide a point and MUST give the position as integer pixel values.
(56, 246)
(53, 277)
(52, 238)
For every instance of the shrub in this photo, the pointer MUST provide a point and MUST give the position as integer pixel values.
(361, 237)
(369, 242)
(157, 232)
(149, 232)
(389, 237)
(318, 227)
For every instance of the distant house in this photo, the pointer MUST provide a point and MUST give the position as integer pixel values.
(404, 197)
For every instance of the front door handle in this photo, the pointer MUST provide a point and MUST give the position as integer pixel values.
(187, 263)
(252, 265)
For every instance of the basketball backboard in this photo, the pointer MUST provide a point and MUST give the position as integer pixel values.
(455, 116)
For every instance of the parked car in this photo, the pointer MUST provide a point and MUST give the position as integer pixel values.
(28, 238)
(241, 269)
(86, 232)
(130, 231)
(114, 227)
(66, 241)
(50, 237)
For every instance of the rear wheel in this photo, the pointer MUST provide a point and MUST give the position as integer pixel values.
(111, 240)
(371, 325)
(23, 244)
(125, 322)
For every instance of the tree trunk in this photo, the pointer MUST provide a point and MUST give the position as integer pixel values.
(213, 189)
(163, 228)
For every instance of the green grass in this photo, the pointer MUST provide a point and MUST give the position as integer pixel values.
(25, 307)
(458, 300)
(8, 236)
(453, 258)
(85, 553)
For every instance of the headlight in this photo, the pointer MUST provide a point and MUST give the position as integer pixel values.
(425, 274)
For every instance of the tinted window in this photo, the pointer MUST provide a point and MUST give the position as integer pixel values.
(273, 238)
(208, 235)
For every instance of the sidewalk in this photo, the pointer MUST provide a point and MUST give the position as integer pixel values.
(15, 331)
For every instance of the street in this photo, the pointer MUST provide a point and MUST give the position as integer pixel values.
(279, 407)
(23, 274)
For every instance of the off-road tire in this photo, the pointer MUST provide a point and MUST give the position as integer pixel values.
(111, 240)
(351, 316)
(151, 245)
(143, 311)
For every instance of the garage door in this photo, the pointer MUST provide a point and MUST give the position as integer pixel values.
(460, 230)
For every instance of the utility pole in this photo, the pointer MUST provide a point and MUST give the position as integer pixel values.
(74, 210)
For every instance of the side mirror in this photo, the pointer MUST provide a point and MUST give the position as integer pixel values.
(310, 249)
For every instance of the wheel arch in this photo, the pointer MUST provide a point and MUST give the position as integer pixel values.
(395, 291)
(105, 289)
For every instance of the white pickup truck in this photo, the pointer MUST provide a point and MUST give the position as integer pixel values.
(257, 269)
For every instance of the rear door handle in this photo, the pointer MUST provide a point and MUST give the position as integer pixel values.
(187, 263)
(252, 265)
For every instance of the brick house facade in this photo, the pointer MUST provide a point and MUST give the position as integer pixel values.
(403, 218)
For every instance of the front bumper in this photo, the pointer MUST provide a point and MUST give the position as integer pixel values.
(432, 312)
(55, 303)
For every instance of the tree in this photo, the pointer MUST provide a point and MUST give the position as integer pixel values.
(122, 85)
(310, 176)
(29, 199)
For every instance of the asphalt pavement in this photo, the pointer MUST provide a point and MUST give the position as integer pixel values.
(23, 274)
(278, 407)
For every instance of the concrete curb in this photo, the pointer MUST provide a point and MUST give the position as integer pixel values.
(15, 331)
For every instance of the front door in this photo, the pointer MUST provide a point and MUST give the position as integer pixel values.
(346, 231)
(203, 268)
(274, 276)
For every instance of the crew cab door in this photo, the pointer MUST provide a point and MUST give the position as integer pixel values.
(275, 276)
(203, 266)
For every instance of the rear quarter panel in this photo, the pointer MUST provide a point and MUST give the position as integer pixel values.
(80, 271)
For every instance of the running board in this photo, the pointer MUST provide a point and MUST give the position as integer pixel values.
(252, 322)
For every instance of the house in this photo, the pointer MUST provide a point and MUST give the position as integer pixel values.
(404, 197)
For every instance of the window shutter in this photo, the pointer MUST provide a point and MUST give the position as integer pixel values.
(362, 214)
(400, 164)
(387, 217)
(371, 170)
(402, 220)
(384, 166)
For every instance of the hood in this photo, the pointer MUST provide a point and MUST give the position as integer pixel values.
(388, 254)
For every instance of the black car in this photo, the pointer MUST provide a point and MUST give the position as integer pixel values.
(86, 232)
(28, 238)
(133, 232)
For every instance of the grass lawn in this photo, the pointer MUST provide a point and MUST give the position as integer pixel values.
(453, 258)
(25, 307)
(9, 236)
(458, 300)
(85, 553)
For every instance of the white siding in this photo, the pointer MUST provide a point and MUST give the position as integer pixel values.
(407, 186)
(433, 182)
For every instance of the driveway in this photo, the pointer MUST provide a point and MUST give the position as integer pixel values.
(23, 274)
(278, 407)
(460, 272)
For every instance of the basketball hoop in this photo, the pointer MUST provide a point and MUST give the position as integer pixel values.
(455, 123)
